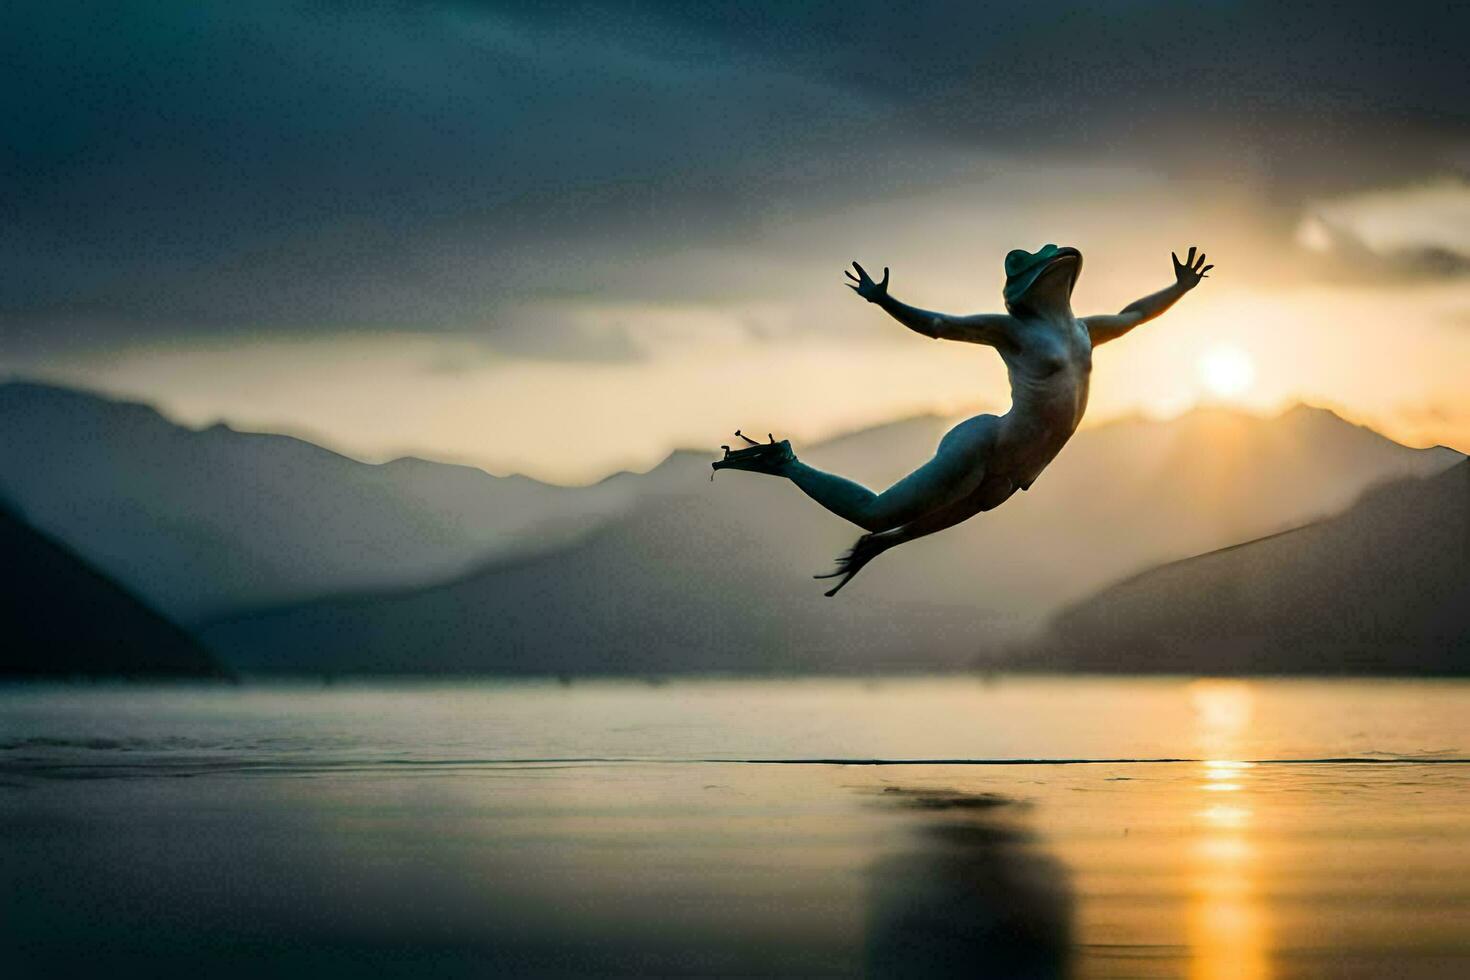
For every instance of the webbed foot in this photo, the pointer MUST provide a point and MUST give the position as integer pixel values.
(769, 457)
(867, 547)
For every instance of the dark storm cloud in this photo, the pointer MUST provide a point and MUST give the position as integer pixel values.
(180, 168)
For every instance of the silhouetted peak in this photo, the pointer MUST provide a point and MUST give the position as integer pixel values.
(40, 393)
(682, 461)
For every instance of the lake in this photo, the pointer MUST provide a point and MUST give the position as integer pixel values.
(946, 826)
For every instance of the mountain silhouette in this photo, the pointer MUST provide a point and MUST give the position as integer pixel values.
(60, 617)
(700, 577)
(1382, 588)
(203, 522)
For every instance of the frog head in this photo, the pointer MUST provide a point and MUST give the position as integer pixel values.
(1040, 282)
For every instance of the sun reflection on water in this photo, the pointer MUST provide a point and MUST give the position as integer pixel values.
(1227, 925)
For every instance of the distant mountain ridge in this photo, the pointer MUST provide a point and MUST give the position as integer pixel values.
(60, 617)
(201, 522)
(1382, 588)
(432, 567)
(715, 577)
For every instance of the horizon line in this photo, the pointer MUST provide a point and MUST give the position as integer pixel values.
(320, 442)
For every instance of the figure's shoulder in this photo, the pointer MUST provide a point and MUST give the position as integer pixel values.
(995, 329)
(1106, 326)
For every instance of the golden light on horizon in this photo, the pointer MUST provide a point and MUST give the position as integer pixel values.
(379, 397)
(1226, 371)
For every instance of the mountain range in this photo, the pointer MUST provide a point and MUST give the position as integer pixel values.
(203, 522)
(60, 617)
(699, 577)
(1381, 588)
(286, 556)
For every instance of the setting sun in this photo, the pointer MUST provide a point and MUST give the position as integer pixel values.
(1227, 372)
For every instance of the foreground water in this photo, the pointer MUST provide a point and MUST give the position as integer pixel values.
(1023, 827)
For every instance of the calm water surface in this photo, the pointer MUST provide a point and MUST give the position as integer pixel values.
(1024, 827)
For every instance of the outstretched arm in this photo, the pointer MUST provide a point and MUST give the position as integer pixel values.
(1187, 275)
(984, 328)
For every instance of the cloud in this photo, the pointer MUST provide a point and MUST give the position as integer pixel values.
(232, 167)
(185, 169)
(631, 332)
(1422, 230)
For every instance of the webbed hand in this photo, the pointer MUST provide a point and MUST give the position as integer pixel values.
(866, 287)
(1189, 272)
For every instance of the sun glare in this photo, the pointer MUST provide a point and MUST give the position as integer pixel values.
(1227, 372)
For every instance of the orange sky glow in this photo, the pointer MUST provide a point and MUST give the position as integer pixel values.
(788, 350)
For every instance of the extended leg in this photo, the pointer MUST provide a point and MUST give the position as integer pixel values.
(953, 474)
(991, 493)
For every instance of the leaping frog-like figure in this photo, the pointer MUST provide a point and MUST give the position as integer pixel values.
(982, 461)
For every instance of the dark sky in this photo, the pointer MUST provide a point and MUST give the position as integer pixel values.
(177, 170)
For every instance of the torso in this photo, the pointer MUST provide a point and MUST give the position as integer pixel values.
(1050, 369)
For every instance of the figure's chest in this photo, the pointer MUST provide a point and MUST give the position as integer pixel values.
(1060, 349)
